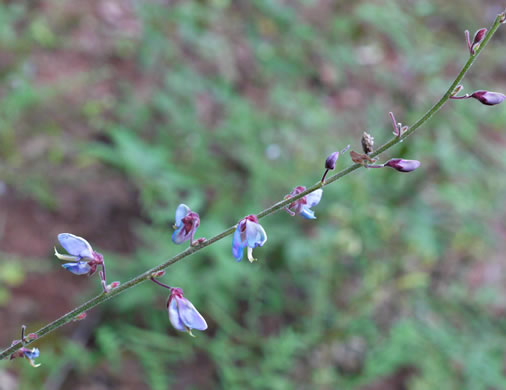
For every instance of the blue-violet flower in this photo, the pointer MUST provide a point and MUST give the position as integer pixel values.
(182, 314)
(31, 355)
(83, 259)
(248, 233)
(303, 205)
(186, 225)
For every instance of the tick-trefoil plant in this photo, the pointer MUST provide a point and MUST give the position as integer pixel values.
(247, 233)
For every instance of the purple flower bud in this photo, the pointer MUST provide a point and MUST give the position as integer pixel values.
(303, 205)
(186, 225)
(478, 37)
(330, 162)
(488, 98)
(249, 233)
(182, 314)
(403, 165)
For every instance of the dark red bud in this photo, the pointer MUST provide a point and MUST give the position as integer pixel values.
(488, 98)
(403, 165)
(478, 37)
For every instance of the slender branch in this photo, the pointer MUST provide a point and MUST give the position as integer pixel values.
(160, 283)
(274, 208)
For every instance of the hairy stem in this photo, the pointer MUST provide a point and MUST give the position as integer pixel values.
(274, 208)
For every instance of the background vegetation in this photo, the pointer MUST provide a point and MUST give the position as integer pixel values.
(113, 112)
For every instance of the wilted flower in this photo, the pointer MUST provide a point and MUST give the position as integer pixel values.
(488, 98)
(31, 355)
(84, 260)
(248, 233)
(403, 165)
(367, 142)
(303, 205)
(182, 314)
(362, 159)
(186, 225)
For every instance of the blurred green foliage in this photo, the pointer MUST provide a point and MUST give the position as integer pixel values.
(226, 106)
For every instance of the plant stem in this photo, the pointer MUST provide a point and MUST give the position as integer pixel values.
(274, 208)
(160, 283)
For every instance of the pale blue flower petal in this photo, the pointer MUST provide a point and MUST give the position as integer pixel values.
(181, 212)
(179, 236)
(237, 244)
(189, 315)
(79, 268)
(174, 317)
(255, 234)
(33, 354)
(314, 198)
(76, 246)
(307, 213)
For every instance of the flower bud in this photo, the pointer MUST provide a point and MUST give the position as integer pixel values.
(478, 37)
(488, 98)
(403, 165)
(80, 317)
(330, 162)
(158, 274)
(457, 89)
(367, 143)
(113, 285)
(32, 336)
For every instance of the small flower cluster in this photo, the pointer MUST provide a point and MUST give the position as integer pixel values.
(478, 38)
(30, 354)
(23, 352)
(487, 98)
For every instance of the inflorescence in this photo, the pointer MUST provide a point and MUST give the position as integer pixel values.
(83, 260)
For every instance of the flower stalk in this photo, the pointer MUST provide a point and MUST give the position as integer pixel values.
(99, 299)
